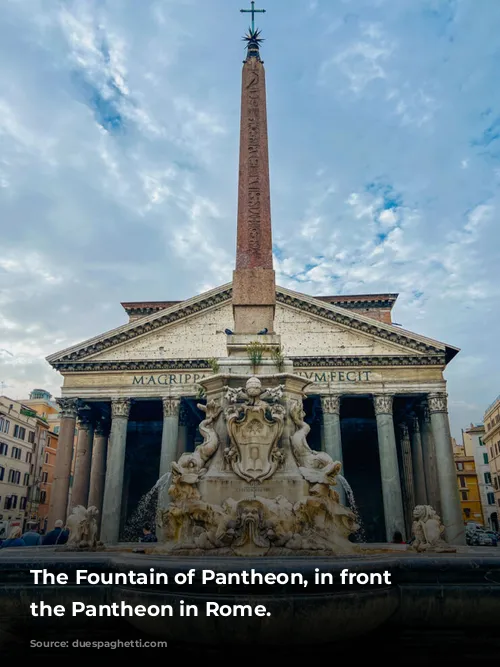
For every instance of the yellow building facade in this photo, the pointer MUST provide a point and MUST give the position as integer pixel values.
(492, 443)
(468, 485)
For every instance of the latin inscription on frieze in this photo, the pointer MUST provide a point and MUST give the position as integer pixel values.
(167, 378)
(336, 376)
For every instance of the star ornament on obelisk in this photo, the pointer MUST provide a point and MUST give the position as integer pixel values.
(254, 287)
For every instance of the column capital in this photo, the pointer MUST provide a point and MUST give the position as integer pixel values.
(383, 404)
(170, 406)
(68, 406)
(120, 407)
(330, 404)
(438, 402)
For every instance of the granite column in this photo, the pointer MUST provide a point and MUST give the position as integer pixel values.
(408, 478)
(418, 463)
(331, 434)
(81, 479)
(113, 487)
(451, 511)
(389, 468)
(64, 457)
(98, 468)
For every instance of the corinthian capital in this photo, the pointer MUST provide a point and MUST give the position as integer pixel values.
(69, 407)
(331, 404)
(438, 402)
(170, 406)
(120, 407)
(383, 404)
(85, 418)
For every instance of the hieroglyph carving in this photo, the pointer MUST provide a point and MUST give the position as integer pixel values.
(68, 407)
(438, 402)
(120, 407)
(253, 184)
(254, 428)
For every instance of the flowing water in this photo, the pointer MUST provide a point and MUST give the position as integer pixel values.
(349, 493)
(146, 510)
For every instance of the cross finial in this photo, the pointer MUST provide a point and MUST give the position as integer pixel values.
(253, 11)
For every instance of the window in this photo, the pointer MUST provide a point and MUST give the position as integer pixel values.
(19, 432)
(467, 512)
(43, 497)
(31, 437)
(462, 481)
(22, 504)
(495, 482)
(44, 477)
(46, 457)
(14, 502)
(4, 448)
(56, 429)
(487, 477)
(16, 453)
(8, 502)
(14, 476)
(460, 466)
(491, 498)
(464, 495)
(485, 457)
(481, 443)
(4, 425)
(2, 472)
(491, 452)
(26, 479)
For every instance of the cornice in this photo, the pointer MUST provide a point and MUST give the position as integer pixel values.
(359, 322)
(134, 365)
(372, 361)
(142, 326)
(66, 359)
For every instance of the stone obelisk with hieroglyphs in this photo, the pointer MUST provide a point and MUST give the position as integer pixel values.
(254, 287)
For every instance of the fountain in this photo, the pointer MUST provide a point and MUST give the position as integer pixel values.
(254, 486)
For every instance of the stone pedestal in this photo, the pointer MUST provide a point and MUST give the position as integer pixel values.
(110, 526)
(98, 468)
(62, 472)
(81, 480)
(332, 435)
(451, 511)
(391, 483)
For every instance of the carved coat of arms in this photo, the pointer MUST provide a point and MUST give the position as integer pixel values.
(255, 428)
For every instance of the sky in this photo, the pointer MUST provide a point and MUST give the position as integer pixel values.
(119, 131)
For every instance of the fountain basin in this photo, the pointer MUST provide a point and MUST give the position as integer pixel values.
(428, 591)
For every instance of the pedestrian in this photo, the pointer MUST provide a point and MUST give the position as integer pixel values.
(57, 535)
(148, 536)
(14, 539)
(32, 537)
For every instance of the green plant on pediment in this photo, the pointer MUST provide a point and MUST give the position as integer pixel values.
(255, 352)
(278, 357)
(214, 365)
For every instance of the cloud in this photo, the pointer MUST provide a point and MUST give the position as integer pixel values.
(119, 130)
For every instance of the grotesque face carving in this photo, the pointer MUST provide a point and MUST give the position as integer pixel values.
(253, 387)
(250, 512)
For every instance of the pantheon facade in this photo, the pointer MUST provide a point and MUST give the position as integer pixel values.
(377, 401)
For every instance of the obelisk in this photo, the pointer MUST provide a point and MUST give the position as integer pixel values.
(254, 287)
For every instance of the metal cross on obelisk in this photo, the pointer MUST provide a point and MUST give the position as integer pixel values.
(253, 11)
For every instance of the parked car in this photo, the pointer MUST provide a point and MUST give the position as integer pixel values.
(477, 536)
(494, 537)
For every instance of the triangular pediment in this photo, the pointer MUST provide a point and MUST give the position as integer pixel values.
(194, 329)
